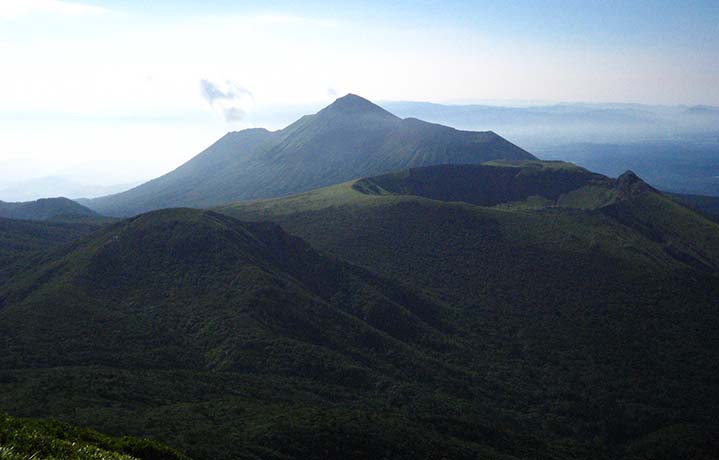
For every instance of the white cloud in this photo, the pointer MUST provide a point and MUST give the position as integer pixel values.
(13, 9)
(230, 99)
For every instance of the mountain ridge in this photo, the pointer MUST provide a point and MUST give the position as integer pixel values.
(45, 209)
(353, 104)
(551, 319)
(229, 304)
(350, 138)
(609, 210)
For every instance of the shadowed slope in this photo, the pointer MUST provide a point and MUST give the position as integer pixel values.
(585, 291)
(487, 185)
(574, 318)
(709, 205)
(45, 209)
(25, 243)
(182, 310)
(135, 275)
(552, 205)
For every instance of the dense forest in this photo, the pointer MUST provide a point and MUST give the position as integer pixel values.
(508, 310)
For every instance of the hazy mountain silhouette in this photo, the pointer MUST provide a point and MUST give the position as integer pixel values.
(350, 138)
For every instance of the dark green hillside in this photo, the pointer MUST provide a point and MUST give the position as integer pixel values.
(604, 317)
(236, 340)
(459, 248)
(254, 278)
(709, 205)
(619, 228)
(350, 138)
(37, 439)
(490, 184)
(46, 209)
(22, 242)
(575, 318)
(19, 237)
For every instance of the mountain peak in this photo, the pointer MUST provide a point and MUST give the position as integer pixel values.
(350, 138)
(629, 184)
(351, 104)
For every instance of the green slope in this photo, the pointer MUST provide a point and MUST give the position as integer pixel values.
(236, 340)
(350, 138)
(46, 209)
(544, 205)
(42, 440)
(573, 316)
(23, 243)
(590, 301)
(243, 274)
(709, 205)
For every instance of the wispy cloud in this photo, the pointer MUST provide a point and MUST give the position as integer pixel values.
(229, 99)
(13, 9)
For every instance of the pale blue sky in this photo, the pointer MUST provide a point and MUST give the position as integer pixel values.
(76, 73)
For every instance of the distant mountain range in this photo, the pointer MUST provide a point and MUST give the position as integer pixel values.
(45, 209)
(348, 139)
(675, 148)
(569, 122)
